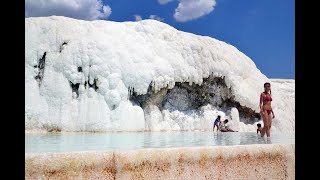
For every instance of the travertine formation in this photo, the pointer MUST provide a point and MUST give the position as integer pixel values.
(263, 161)
(100, 76)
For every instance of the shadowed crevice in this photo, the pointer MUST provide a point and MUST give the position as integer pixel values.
(40, 66)
(184, 97)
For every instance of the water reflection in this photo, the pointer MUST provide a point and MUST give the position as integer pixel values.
(61, 142)
(265, 140)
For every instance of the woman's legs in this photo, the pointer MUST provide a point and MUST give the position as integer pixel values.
(230, 130)
(265, 122)
(269, 118)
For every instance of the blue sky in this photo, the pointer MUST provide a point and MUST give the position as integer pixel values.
(264, 30)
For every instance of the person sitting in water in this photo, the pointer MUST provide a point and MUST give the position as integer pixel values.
(259, 128)
(216, 123)
(224, 127)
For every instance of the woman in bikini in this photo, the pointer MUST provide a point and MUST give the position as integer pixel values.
(266, 109)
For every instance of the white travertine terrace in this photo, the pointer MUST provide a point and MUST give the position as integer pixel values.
(78, 75)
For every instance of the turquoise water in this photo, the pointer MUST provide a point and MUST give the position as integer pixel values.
(65, 142)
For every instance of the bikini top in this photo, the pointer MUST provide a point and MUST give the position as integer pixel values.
(268, 97)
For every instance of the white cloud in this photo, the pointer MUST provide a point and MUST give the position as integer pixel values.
(152, 16)
(106, 11)
(137, 17)
(164, 1)
(79, 9)
(192, 9)
(188, 10)
(155, 17)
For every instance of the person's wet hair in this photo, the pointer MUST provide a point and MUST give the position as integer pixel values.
(259, 125)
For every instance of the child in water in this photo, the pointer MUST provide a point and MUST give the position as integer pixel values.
(259, 128)
(216, 123)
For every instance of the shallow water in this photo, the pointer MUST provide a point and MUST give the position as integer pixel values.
(65, 142)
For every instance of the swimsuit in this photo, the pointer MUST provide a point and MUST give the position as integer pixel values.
(223, 126)
(216, 122)
(268, 98)
(268, 111)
